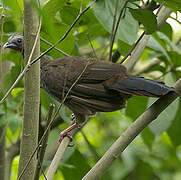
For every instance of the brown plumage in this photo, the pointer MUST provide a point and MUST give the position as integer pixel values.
(103, 86)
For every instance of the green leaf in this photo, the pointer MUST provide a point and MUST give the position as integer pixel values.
(142, 171)
(15, 7)
(3, 120)
(128, 27)
(147, 18)
(9, 25)
(12, 76)
(165, 119)
(173, 4)
(166, 29)
(174, 130)
(52, 32)
(123, 47)
(14, 120)
(167, 42)
(136, 106)
(17, 91)
(176, 58)
(53, 6)
(68, 14)
(77, 167)
(91, 26)
(148, 137)
(157, 67)
(158, 46)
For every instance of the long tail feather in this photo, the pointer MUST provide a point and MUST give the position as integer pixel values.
(143, 87)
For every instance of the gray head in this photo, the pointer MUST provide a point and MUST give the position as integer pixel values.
(15, 42)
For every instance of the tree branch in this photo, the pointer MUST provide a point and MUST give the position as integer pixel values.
(3, 127)
(58, 156)
(43, 145)
(127, 137)
(31, 91)
(137, 52)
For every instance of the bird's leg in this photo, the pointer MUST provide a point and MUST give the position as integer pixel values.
(77, 119)
(73, 118)
(66, 133)
(70, 128)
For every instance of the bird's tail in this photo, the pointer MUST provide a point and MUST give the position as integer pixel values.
(143, 87)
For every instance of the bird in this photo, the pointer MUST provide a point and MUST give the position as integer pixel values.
(101, 86)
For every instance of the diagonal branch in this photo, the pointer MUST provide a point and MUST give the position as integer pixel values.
(128, 136)
(163, 14)
(50, 44)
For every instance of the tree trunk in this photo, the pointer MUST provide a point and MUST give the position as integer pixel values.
(31, 94)
(2, 127)
(2, 151)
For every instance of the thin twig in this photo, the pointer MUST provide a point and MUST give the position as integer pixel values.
(90, 146)
(44, 143)
(138, 6)
(175, 20)
(116, 28)
(113, 27)
(34, 45)
(92, 46)
(39, 162)
(178, 41)
(1, 39)
(131, 50)
(59, 50)
(160, 7)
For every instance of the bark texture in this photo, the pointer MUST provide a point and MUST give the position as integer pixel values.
(31, 93)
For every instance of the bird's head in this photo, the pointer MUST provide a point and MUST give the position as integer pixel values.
(15, 42)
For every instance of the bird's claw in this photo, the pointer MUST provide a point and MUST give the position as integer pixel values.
(66, 134)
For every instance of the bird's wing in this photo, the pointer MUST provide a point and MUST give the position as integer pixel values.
(89, 93)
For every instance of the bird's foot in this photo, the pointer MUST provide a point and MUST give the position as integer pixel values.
(73, 118)
(66, 133)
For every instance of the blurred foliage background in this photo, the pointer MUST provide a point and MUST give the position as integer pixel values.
(156, 153)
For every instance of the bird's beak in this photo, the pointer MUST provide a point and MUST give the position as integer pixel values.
(10, 45)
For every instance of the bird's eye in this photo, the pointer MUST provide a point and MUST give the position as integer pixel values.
(19, 40)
